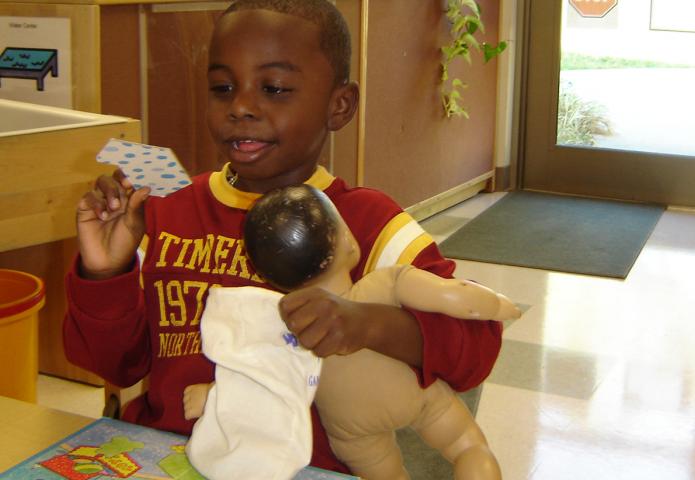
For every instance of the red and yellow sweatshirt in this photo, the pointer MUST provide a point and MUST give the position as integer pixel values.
(146, 322)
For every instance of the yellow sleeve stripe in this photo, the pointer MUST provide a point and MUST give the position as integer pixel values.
(415, 247)
(400, 241)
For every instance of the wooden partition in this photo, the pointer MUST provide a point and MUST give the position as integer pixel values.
(177, 84)
(402, 143)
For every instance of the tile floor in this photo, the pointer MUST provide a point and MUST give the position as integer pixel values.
(595, 381)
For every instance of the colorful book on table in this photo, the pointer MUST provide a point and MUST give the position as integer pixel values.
(107, 449)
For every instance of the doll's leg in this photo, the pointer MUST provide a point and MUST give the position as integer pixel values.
(459, 438)
(372, 457)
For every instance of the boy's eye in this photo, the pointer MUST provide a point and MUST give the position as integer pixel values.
(275, 90)
(220, 89)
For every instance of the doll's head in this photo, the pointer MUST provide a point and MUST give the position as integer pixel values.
(294, 235)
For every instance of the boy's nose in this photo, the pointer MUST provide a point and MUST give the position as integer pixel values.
(243, 106)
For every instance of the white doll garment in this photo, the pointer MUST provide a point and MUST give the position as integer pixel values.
(257, 422)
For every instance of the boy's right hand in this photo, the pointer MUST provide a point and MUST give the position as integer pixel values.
(110, 226)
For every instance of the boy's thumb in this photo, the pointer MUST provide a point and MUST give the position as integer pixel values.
(136, 202)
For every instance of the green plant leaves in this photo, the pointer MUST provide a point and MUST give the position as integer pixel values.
(491, 51)
(464, 26)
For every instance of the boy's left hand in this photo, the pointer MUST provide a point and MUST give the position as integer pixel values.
(331, 325)
(325, 323)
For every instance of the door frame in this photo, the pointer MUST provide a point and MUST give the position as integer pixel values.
(544, 166)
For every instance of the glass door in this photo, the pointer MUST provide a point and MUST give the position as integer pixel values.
(610, 99)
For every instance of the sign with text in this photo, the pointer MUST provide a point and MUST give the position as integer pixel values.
(593, 8)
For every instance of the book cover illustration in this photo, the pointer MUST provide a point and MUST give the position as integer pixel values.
(111, 449)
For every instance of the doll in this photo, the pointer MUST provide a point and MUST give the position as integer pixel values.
(296, 238)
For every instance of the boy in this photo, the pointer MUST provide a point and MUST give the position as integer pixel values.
(278, 84)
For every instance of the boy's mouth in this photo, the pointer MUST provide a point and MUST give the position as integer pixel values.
(249, 146)
(247, 150)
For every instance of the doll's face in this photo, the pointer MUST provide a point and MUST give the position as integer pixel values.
(346, 254)
(347, 250)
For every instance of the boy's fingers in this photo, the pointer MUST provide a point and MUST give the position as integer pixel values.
(112, 191)
(135, 217)
(293, 301)
(312, 335)
(121, 178)
(290, 310)
(333, 343)
(91, 204)
(324, 339)
(299, 320)
(137, 198)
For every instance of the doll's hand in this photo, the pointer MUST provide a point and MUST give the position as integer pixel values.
(507, 310)
(194, 398)
(110, 226)
(325, 323)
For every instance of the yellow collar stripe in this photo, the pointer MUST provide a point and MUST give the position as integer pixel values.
(228, 195)
(233, 197)
(399, 242)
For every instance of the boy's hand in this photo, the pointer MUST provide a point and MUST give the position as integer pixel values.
(325, 323)
(194, 398)
(331, 325)
(110, 226)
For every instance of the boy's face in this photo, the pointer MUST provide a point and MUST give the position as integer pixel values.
(272, 97)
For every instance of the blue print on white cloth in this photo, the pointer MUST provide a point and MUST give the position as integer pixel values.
(290, 339)
(146, 166)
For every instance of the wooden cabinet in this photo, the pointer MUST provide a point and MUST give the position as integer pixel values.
(44, 175)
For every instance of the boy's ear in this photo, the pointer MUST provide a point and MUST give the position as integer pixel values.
(343, 106)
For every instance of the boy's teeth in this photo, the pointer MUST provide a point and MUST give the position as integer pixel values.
(248, 145)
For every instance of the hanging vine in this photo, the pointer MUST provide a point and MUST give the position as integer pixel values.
(465, 21)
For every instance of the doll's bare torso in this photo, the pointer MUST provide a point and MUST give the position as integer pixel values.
(366, 392)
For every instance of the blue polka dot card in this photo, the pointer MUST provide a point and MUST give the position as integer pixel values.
(146, 166)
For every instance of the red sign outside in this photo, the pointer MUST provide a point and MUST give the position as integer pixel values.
(593, 8)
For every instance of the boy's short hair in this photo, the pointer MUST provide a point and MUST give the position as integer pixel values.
(290, 235)
(334, 33)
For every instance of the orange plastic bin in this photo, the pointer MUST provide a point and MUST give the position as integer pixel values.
(21, 297)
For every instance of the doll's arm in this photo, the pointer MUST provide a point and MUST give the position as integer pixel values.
(194, 399)
(427, 292)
